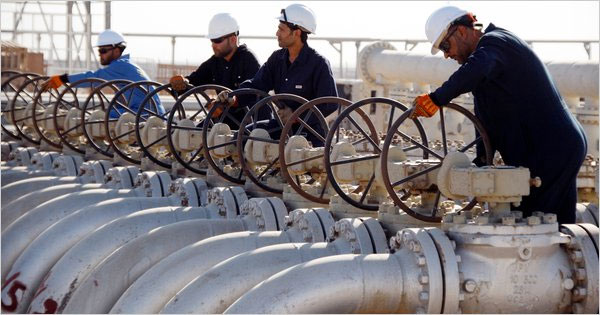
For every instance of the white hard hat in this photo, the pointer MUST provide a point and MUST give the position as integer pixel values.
(300, 15)
(438, 23)
(109, 37)
(222, 24)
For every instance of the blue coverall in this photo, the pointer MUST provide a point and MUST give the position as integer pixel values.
(123, 69)
(527, 120)
(309, 76)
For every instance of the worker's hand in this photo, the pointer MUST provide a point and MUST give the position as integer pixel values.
(224, 97)
(178, 83)
(53, 83)
(285, 114)
(218, 111)
(423, 106)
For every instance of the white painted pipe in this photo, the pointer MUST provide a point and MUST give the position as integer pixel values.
(572, 78)
(345, 284)
(21, 156)
(224, 283)
(22, 187)
(77, 262)
(101, 289)
(257, 214)
(8, 177)
(20, 233)
(178, 269)
(66, 168)
(27, 228)
(174, 272)
(25, 203)
(43, 252)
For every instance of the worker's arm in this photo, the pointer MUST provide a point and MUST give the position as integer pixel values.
(485, 63)
(324, 85)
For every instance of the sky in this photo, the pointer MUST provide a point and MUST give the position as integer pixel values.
(531, 20)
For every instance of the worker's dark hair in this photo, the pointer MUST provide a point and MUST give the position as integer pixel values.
(293, 27)
(467, 20)
(121, 47)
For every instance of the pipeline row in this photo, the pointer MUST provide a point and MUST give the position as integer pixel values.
(186, 208)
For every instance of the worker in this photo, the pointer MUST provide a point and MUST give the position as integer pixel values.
(296, 68)
(517, 102)
(231, 63)
(111, 45)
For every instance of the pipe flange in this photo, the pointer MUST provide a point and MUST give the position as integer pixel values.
(122, 177)
(268, 213)
(453, 294)
(192, 191)
(418, 243)
(22, 155)
(366, 53)
(95, 170)
(44, 161)
(228, 200)
(584, 260)
(67, 165)
(313, 223)
(154, 184)
(364, 235)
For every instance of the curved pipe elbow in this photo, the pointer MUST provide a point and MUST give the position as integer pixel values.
(352, 284)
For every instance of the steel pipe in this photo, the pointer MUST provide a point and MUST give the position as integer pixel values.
(101, 289)
(42, 253)
(65, 276)
(343, 284)
(114, 270)
(178, 269)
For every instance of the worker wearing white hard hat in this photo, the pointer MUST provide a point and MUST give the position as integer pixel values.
(296, 68)
(231, 63)
(111, 45)
(526, 119)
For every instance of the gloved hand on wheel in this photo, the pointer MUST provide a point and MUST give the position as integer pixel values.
(178, 83)
(54, 82)
(224, 97)
(423, 106)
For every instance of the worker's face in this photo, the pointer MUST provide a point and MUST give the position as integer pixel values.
(285, 36)
(108, 54)
(459, 46)
(223, 46)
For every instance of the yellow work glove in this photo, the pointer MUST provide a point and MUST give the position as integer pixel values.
(423, 106)
(178, 83)
(53, 83)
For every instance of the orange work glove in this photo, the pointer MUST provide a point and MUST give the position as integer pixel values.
(217, 113)
(178, 83)
(423, 106)
(53, 83)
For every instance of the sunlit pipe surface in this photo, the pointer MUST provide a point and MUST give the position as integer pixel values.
(43, 252)
(66, 275)
(102, 288)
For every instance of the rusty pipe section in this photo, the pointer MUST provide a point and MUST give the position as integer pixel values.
(382, 63)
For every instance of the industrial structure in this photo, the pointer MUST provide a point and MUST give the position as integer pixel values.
(109, 210)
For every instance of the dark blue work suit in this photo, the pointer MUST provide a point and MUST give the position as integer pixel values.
(527, 120)
(230, 74)
(309, 76)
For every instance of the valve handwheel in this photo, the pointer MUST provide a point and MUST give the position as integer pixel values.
(232, 116)
(368, 147)
(481, 137)
(189, 115)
